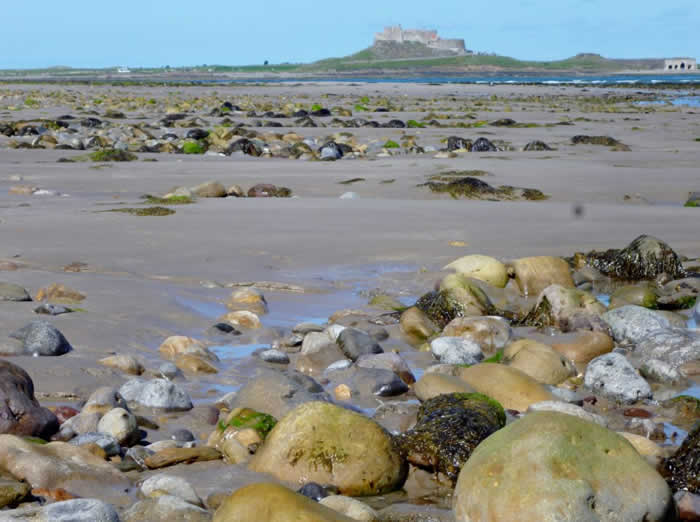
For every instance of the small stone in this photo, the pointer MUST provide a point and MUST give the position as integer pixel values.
(157, 393)
(125, 363)
(614, 377)
(170, 485)
(456, 350)
(51, 309)
(121, 425)
(274, 356)
(242, 319)
(182, 435)
(342, 392)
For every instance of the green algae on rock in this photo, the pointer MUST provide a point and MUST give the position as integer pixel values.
(112, 155)
(448, 430)
(248, 418)
(147, 211)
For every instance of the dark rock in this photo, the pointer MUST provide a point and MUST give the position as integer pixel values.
(594, 140)
(196, 134)
(449, 428)
(274, 356)
(371, 124)
(366, 383)
(225, 328)
(266, 190)
(91, 123)
(51, 309)
(271, 124)
(300, 114)
(483, 145)
(20, 412)
(305, 122)
(457, 143)
(440, 307)
(682, 469)
(394, 124)
(330, 151)
(537, 145)
(169, 136)
(42, 338)
(169, 118)
(321, 112)
(644, 258)
(355, 343)
(504, 122)
(391, 389)
(182, 435)
(246, 146)
(28, 130)
(313, 491)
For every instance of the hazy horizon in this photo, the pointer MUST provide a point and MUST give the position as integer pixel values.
(172, 33)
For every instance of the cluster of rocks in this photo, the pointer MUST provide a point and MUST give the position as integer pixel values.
(530, 388)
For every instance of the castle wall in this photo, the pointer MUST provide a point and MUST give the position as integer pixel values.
(450, 44)
(429, 38)
(681, 65)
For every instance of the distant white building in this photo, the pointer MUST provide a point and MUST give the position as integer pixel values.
(123, 70)
(681, 64)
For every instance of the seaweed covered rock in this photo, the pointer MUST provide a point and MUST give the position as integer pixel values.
(682, 469)
(644, 258)
(567, 309)
(554, 466)
(457, 296)
(325, 443)
(448, 430)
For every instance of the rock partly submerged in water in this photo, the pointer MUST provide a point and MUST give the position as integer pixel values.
(583, 472)
(682, 469)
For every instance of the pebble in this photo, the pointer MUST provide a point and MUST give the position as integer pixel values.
(274, 356)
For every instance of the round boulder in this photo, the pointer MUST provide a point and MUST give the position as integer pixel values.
(484, 268)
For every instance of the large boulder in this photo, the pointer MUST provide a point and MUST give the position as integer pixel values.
(553, 466)
(324, 443)
(434, 384)
(675, 346)
(20, 412)
(632, 324)
(156, 393)
(539, 361)
(567, 309)
(644, 258)
(534, 274)
(511, 387)
(42, 338)
(682, 469)
(273, 503)
(60, 465)
(448, 429)
(484, 268)
(612, 376)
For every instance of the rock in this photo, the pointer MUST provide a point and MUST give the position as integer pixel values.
(660, 371)
(633, 324)
(355, 343)
(674, 346)
(349, 195)
(489, 333)
(165, 508)
(171, 456)
(170, 485)
(534, 274)
(12, 292)
(537, 145)
(106, 442)
(511, 387)
(42, 338)
(568, 409)
(178, 345)
(456, 350)
(644, 258)
(416, 323)
(277, 393)
(235, 191)
(583, 473)
(567, 309)
(59, 294)
(330, 151)
(20, 412)
(317, 441)
(194, 364)
(612, 376)
(458, 296)
(76, 510)
(274, 357)
(585, 346)
(313, 491)
(350, 507)
(11, 491)
(645, 447)
(60, 465)
(405, 512)
(273, 503)
(266, 190)
(483, 145)
(51, 309)
(242, 319)
(365, 381)
(682, 469)
(688, 505)
(448, 430)
(249, 299)
(156, 393)
(457, 143)
(209, 189)
(121, 425)
(434, 384)
(539, 361)
(390, 361)
(102, 400)
(484, 268)
(125, 363)
(641, 294)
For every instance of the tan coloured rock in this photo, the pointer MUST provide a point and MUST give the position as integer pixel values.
(539, 361)
(172, 456)
(194, 364)
(350, 507)
(434, 384)
(586, 346)
(178, 345)
(534, 274)
(645, 447)
(125, 363)
(416, 324)
(513, 388)
(121, 425)
(102, 400)
(325, 443)
(273, 503)
(242, 319)
(248, 298)
(484, 268)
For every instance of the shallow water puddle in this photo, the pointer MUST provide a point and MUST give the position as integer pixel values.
(232, 351)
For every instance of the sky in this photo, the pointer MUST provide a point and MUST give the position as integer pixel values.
(145, 33)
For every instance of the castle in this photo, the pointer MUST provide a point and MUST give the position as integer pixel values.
(427, 38)
(680, 64)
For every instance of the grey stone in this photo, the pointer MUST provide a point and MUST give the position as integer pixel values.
(612, 376)
(166, 508)
(632, 324)
(305, 328)
(12, 292)
(315, 342)
(182, 435)
(105, 441)
(660, 371)
(569, 409)
(274, 356)
(171, 485)
(42, 338)
(157, 393)
(349, 195)
(675, 346)
(51, 309)
(388, 361)
(76, 510)
(456, 350)
(169, 371)
(330, 152)
(355, 343)
(365, 382)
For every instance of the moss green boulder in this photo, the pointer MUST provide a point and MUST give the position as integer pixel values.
(273, 503)
(551, 466)
(513, 388)
(12, 491)
(641, 294)
(324, 443)
(484, 268)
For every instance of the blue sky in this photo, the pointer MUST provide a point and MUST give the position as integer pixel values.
(92, 33)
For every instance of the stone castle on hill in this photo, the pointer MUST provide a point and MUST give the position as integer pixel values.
(428, 38)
